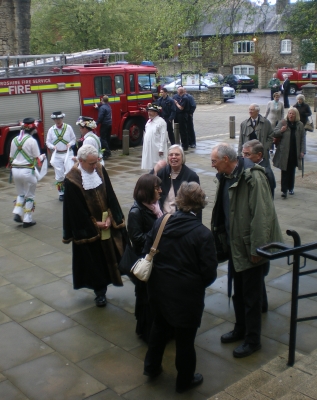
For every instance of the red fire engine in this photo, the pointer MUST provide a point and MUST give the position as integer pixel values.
(297, 78)
(35, 86)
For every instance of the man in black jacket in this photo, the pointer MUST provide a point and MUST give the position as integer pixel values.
(191, 129)
(286, 90)
(168, 112)
(105, 121)
(182, 106)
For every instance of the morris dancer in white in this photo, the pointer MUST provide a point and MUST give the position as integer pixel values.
(86, 126)
(155, 138)
(24, 155)
(60, 137)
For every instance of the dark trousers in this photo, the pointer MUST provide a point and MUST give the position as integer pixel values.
(185, 360)
(274, 90)
(288, 179)
(286, 101)
(191, 130)
(105, 137)
(182, 120)
(266, 270)
(170, 131)
(247, 302)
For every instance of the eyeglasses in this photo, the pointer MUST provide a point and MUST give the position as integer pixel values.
(246, 154)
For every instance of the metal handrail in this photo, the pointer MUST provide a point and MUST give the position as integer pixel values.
(297, 252)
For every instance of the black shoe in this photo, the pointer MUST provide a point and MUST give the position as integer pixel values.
(153, 374)
(101, 300)
(245, 350)
(284, 195)
(197, 380)
(291, 192)
(231, 337)
(28, 224)
(17, 218)
(61, 197)
(185, 148)
(192, 146)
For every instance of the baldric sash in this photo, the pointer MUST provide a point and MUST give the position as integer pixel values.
(60, 136)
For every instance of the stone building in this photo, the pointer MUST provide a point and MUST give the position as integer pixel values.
(15, 23)
(252, 40)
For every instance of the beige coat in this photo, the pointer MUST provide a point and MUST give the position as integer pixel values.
(282, 152)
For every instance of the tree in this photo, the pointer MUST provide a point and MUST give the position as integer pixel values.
(302, 24)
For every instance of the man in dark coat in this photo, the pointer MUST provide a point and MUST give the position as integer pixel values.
(105, 121)
(286, 90)
(182, 107)
(168, 112)
(191, 129)
(184, 266)
(94, 223)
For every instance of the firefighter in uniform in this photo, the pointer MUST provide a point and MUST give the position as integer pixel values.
(60, 137)
(24, 155)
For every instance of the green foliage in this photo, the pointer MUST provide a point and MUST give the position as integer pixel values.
(256, 80)
(302, 24)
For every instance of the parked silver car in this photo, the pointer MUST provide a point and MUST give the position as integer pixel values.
(205, 83)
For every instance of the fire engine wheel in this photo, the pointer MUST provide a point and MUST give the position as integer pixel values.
(292, 90)
(135, 127)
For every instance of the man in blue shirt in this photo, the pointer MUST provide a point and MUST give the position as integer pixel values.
(105, 121)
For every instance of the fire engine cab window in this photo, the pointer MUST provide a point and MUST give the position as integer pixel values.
(103, 85)
(132, 83)
(119, 84)
(147, 83)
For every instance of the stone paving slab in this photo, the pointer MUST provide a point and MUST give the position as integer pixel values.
(58, 345)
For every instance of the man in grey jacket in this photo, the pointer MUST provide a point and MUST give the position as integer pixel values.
(256, 127)
(243, 219)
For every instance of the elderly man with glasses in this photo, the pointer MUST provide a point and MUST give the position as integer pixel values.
(256, 127)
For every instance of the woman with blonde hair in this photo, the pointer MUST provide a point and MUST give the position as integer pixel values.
(291, 149)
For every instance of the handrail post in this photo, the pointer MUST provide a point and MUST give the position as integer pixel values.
(294, 304)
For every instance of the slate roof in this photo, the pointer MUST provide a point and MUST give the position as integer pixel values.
(246, 21)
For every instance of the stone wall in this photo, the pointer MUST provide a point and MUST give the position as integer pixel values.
(15, 22)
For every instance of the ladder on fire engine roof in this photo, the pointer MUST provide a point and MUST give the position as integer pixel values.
(22, 65)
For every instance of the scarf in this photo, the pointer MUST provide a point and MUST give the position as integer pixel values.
(90, 181)
(155, 208)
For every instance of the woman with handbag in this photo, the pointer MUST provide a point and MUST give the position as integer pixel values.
(144, 212)
(291, 149)
(303, 109)
(184, 266)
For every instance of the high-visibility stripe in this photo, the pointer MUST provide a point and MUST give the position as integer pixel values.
(89, 102)
(55, 86)
(4, 90)
(140, 96)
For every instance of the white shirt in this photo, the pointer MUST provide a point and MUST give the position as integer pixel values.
(69, 137)
(154, 141)
(30, 147)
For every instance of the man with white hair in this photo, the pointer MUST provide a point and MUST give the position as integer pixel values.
(93, 221)
(256, 127)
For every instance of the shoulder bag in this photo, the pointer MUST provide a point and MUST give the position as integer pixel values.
(143, 267)
(309, 126)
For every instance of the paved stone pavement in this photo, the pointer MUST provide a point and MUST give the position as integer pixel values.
(55, 344)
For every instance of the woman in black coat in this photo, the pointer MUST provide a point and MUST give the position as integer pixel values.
(184, 266)
(142, 216)
(303, 109)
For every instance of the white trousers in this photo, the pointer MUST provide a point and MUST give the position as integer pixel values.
(25, 184)
(60, 170)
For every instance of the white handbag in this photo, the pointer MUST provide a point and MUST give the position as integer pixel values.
(143, 267)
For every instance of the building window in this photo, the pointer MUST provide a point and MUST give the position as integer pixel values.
(246, 46)
(195, 49)
(286, 46)
(244, 70)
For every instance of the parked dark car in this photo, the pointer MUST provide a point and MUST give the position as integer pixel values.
(239, 82)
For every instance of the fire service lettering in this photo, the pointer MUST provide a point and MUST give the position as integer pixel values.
(23, 86)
